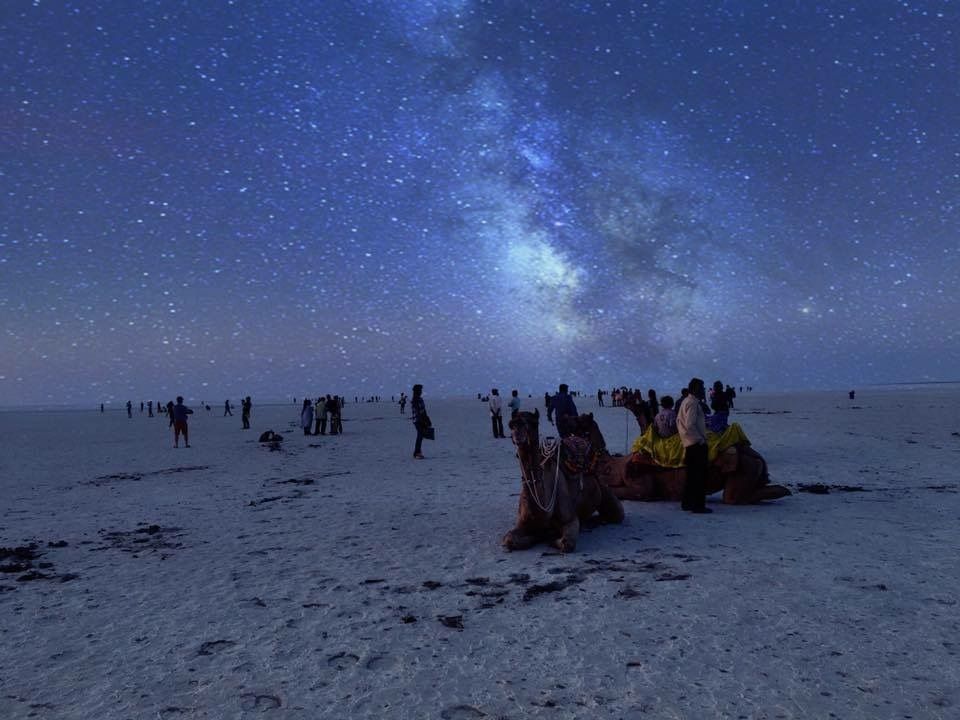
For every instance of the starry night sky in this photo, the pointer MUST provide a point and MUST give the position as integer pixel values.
(286, 198)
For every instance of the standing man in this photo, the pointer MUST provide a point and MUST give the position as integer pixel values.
(600, 397)
(180, 412)
(421, 421)
(562, 408)
(245, 406)
(226, 408)
(129, 409)
(496, 413)
(320, 416)
(335, 406)
(514, 404)
(692, 427)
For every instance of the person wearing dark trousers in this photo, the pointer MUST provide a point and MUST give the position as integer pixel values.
(336, 415)
(227, 410)
(563, 411)
(320, 415)
(180, 413)
(496, 413)
(327, 407)
(421, 421)
(245, 405)
(692, 427)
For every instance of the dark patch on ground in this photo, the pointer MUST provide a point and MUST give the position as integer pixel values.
(26, 559)
(297, 481)
(149, 538)
(136, 476)
(672, 576)
(822, 489)
(557, 585)
(451, 621)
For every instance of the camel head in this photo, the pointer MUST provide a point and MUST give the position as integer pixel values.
(525, 430)
(587, 428)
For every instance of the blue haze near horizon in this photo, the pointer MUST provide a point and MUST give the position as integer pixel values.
(221, 199)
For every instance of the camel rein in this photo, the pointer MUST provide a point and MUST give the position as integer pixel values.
(547, 450)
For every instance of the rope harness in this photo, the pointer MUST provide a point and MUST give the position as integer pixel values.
(551, 449)
(547, 450)
(575, 454)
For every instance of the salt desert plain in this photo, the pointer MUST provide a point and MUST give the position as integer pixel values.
(340, 578)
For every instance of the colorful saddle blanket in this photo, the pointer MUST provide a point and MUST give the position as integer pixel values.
(576, 455)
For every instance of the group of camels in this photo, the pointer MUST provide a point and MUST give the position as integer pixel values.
(574, 480)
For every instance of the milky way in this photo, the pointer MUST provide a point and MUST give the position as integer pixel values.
(284, 198)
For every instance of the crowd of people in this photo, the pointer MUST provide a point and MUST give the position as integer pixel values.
(696, 413)
(315, 415)
(661, 412)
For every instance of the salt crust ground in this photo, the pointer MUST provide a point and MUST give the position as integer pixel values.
(339, 578)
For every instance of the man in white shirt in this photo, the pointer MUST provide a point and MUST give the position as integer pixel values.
(692, 427)
(496, 415)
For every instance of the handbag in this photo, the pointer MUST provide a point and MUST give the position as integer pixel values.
(429, 433)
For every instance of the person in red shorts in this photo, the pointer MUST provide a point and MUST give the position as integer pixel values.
(180, 412)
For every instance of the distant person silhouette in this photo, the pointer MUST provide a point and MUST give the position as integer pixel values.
(514, 403)
(421, 421)
(496, 413)
(306, 416)
(245, 407)
(180, 412)
(562, 410)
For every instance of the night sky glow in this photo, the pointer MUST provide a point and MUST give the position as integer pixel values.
(286, 198)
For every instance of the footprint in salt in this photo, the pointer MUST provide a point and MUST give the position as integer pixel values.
(462, 712)
(380, 663)
(343, 660)
(214, 646)
(256, 701)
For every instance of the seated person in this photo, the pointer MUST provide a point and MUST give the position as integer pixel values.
(717, 421)
(665, 422)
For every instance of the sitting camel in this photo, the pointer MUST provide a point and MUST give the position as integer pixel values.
(559, 488)
(739, 471)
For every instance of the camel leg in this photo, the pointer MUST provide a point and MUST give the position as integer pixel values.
(518, 539)
(567, 542)
(610, 509)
